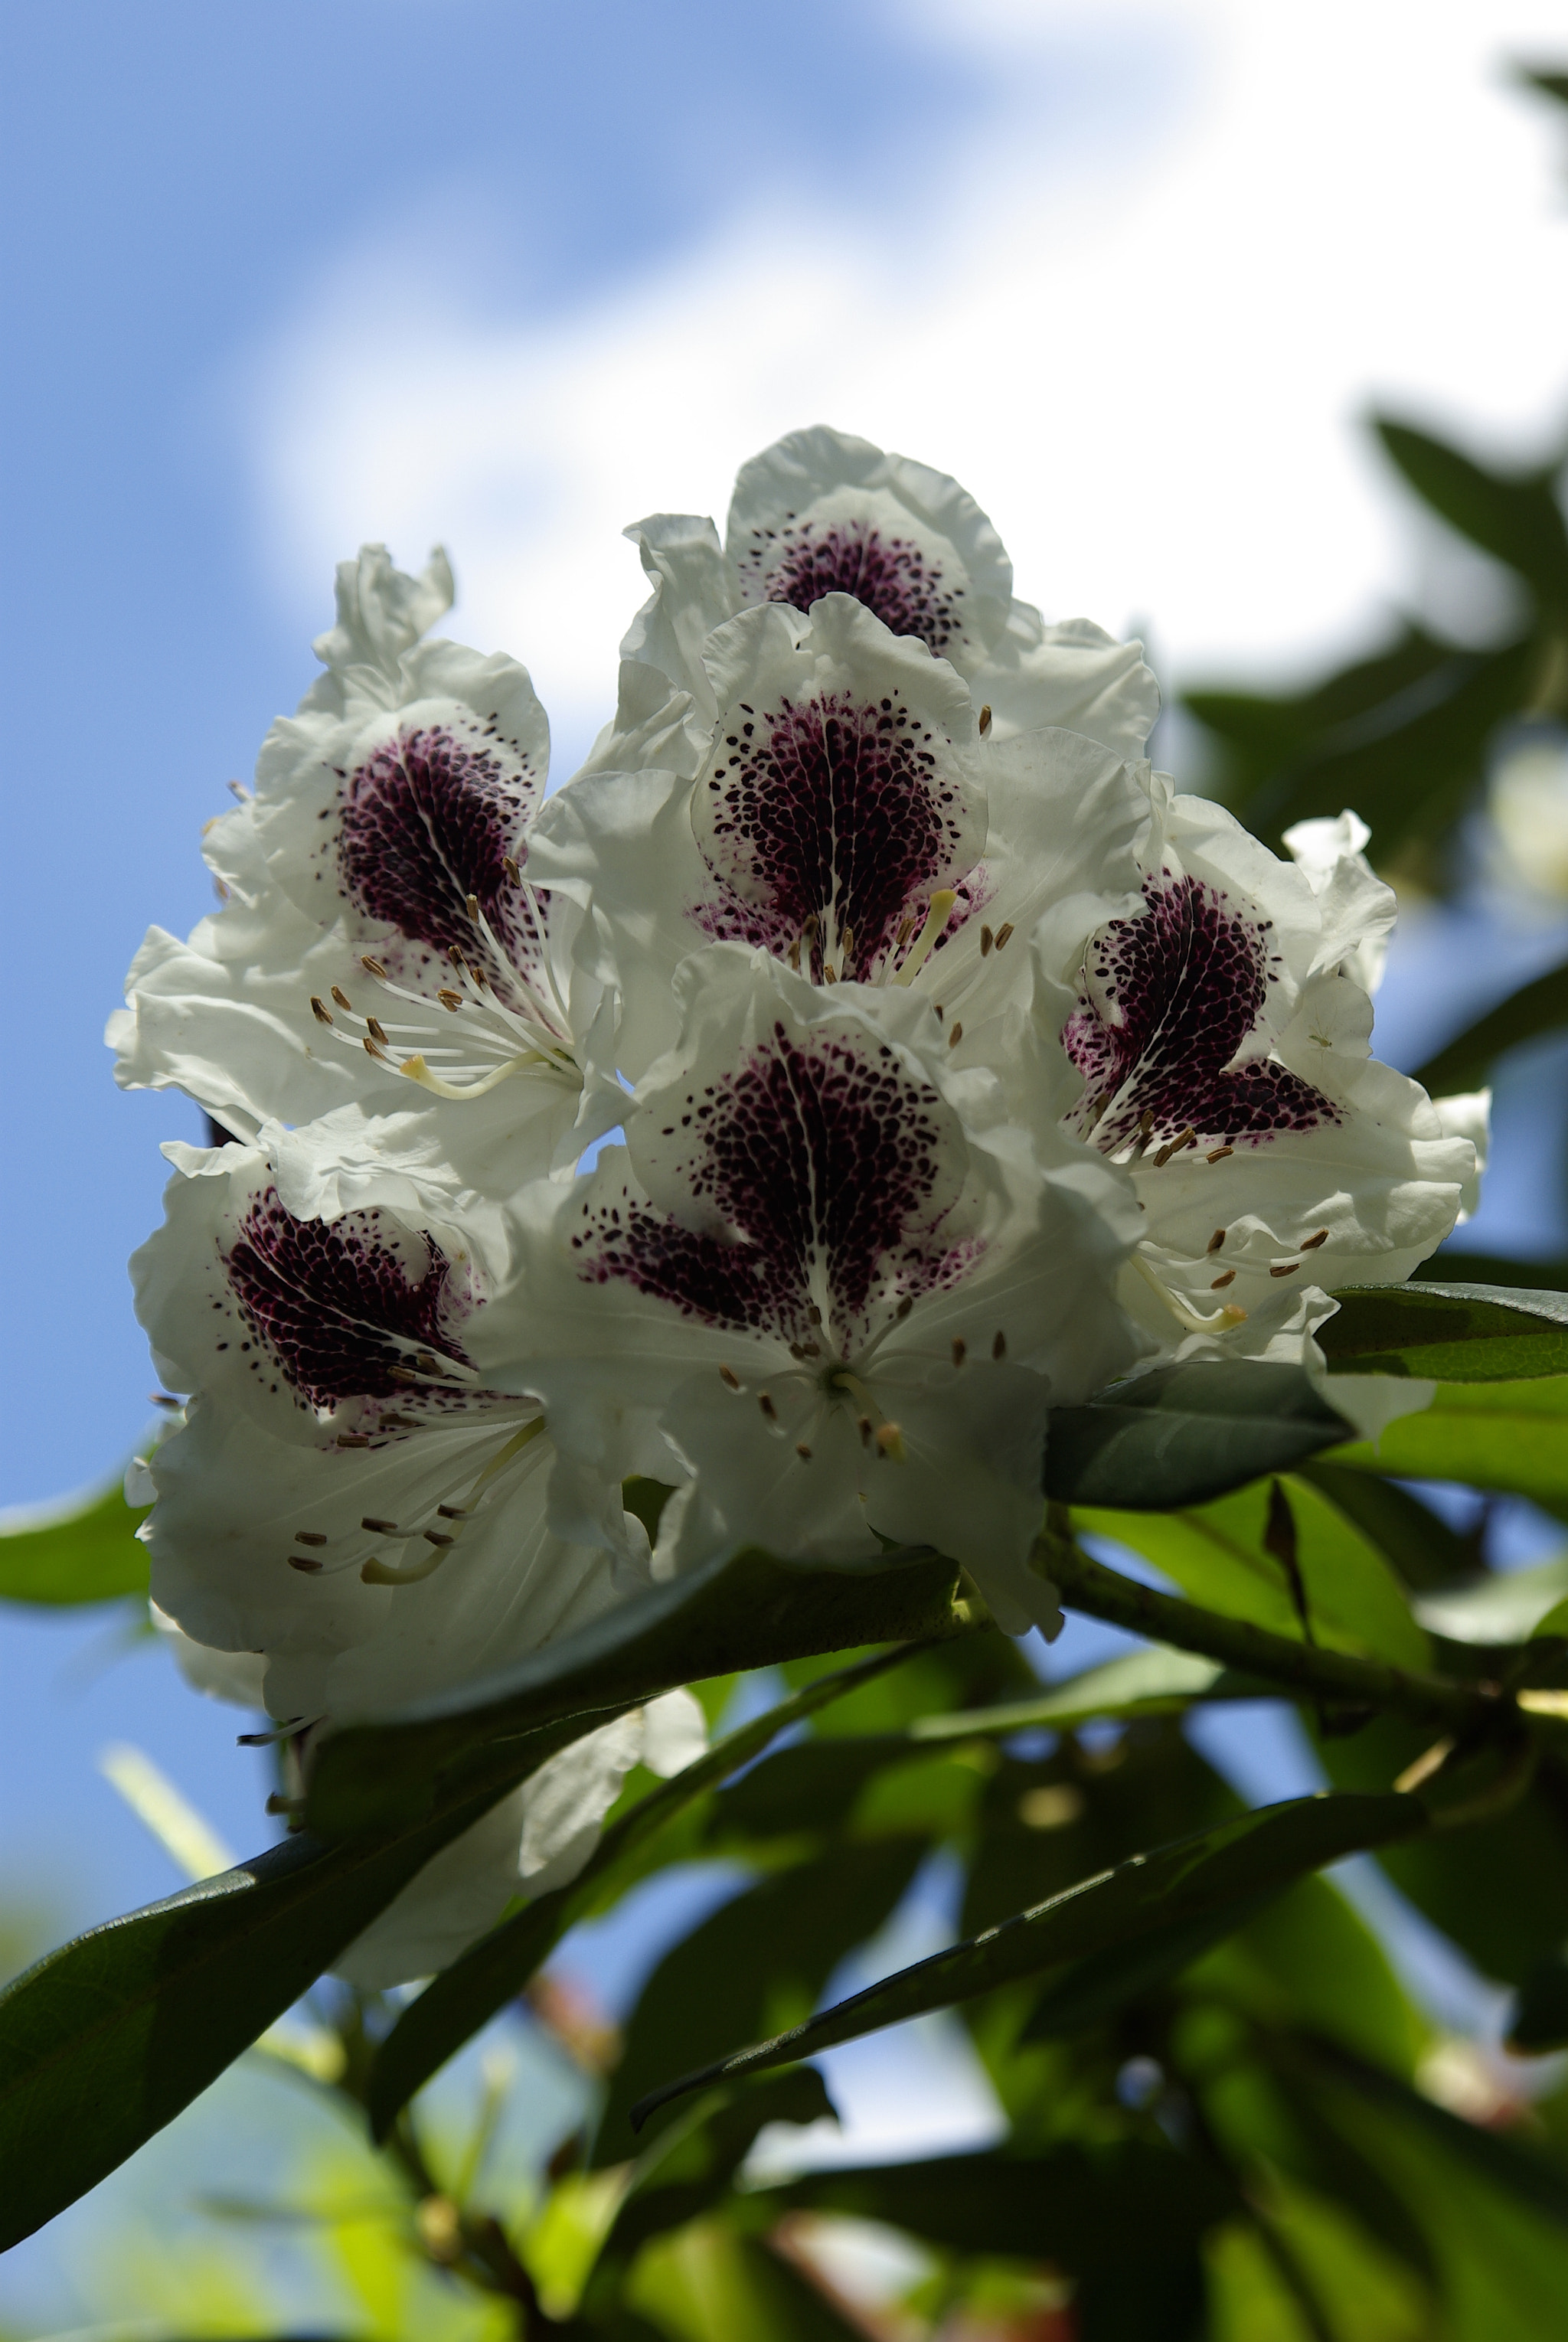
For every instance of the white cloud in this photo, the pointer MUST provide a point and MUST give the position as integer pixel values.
(1143, 347)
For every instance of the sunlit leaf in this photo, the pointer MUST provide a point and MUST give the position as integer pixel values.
(1416, 1542)
(1182, 1434)
(1235, 1862)
(1507, 1436)
(1506, 1608)
(85, 1550)
(1447, 1333)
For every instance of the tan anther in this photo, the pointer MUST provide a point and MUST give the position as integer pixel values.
(729, 1378)
(794, 955)
(1219, 1153)
(310, 1567)
(308, 1536)
(377, 1030)
(803, 1451)
(956, 1035)
(960, 1349)
(320, 1011)
(905, 929)
(426, 1363)
(402, 1373)
(449, 999)
(890, 1442)
(999, 1347)
(846, 948)
(373, 968)
(451, 1512)
(829, 972)
(377, 1527)
(765, 1400)
(814, 1313)
(987, 940)
(513, 872)
(1284, 1269)
(342, 998)
(1221, 1282)
(371, 1050)
(1312, 1243)
(474, 908)
(438, 1538)
(353, 1439)
(1003, 933)
(1216, 1240)
(984, 719)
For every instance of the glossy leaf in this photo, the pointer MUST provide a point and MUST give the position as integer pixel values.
(1514, 516)
(1505, 1608)
(1455, 1261)
(1465, 1063)
(1226, 1555)
(1238, 1860)
(85, 1551)
(1182, 1434)
(103, 2041)
(1154, 1682)
(1507, 1436)
(1447, 1333)
(456, 2003)
(748, 1611)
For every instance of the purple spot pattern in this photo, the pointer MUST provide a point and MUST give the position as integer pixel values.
(334, 1307)
(425, 822)
(899, 584)
(1188, 981)
(825, 1153)
(830, 806)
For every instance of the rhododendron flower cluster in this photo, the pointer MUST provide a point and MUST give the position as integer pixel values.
(957, 1067)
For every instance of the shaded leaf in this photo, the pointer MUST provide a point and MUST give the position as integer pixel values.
(1154, 1682)
(1465, 1063)
(1447, 1333)
(748, 1611)
(1416, 1542)
(1514, 516)
(105, 2040)
(85, 1551)
(689, 2165)
(1506, 1608)
(1457, 1261)
(1093, 1989)
(1182, 1434)
(1540, 2017)
(708, 2283)
(1237, 1861)
(456, 2003)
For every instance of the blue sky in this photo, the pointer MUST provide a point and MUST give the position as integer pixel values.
(279, 276)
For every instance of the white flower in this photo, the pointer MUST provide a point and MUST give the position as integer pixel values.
(823, 512)
(1357, 909)
(854, 816)
(346, 1496)
(843, 1285)
(379, 926)
(1223, 1057)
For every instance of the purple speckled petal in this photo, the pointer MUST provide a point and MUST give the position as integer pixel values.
(819, 1172)
(1171, 1000)
(338, 1306)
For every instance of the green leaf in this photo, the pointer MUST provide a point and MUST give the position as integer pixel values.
(748, 1611)
(690, 2165)
(1465, 1063)
(1507, 1608)
(1417, 1544)
(105, 2040)
(1540, 2018)
(708, 2283)
(1447, 1333)
(1514, 516)
(456, 2003)
(1235, 1862)
(1181, 1434)
(772, 1948)
(1227, 1556)
(83, 1550)
(1455, 1260)
(1093, 1989)
(1508, 1435)
(1154, 1682)
(1550, 84)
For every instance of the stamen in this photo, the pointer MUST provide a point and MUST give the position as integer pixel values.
(794, 955)
(342, 997)
(1284, 1269)
(903, 1308)
(376, 1029)
(1188, 1138)
(163, 1398)
(1217, 1241)
(438, 1537)
(1003, 933)
(1219, 1153)
(449, 999)
(474, 908)
(1312, 1243)
(373, 968)
(729, 1378)
(890, 1442)
(1221, 1282)
(999, 1347)
(960, 1349)
(829, 972)
(984, 725)
(803, 1451)
(987, 940)
(306, 1562)
(320, 1011)
(937, 918)
(765, 1400)
(309, 1537)
(372, 1051)
(353, 1439)
(452, 1512)
(377, 1527)
(514, 875)
(957, 1035)
(865, 1429)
